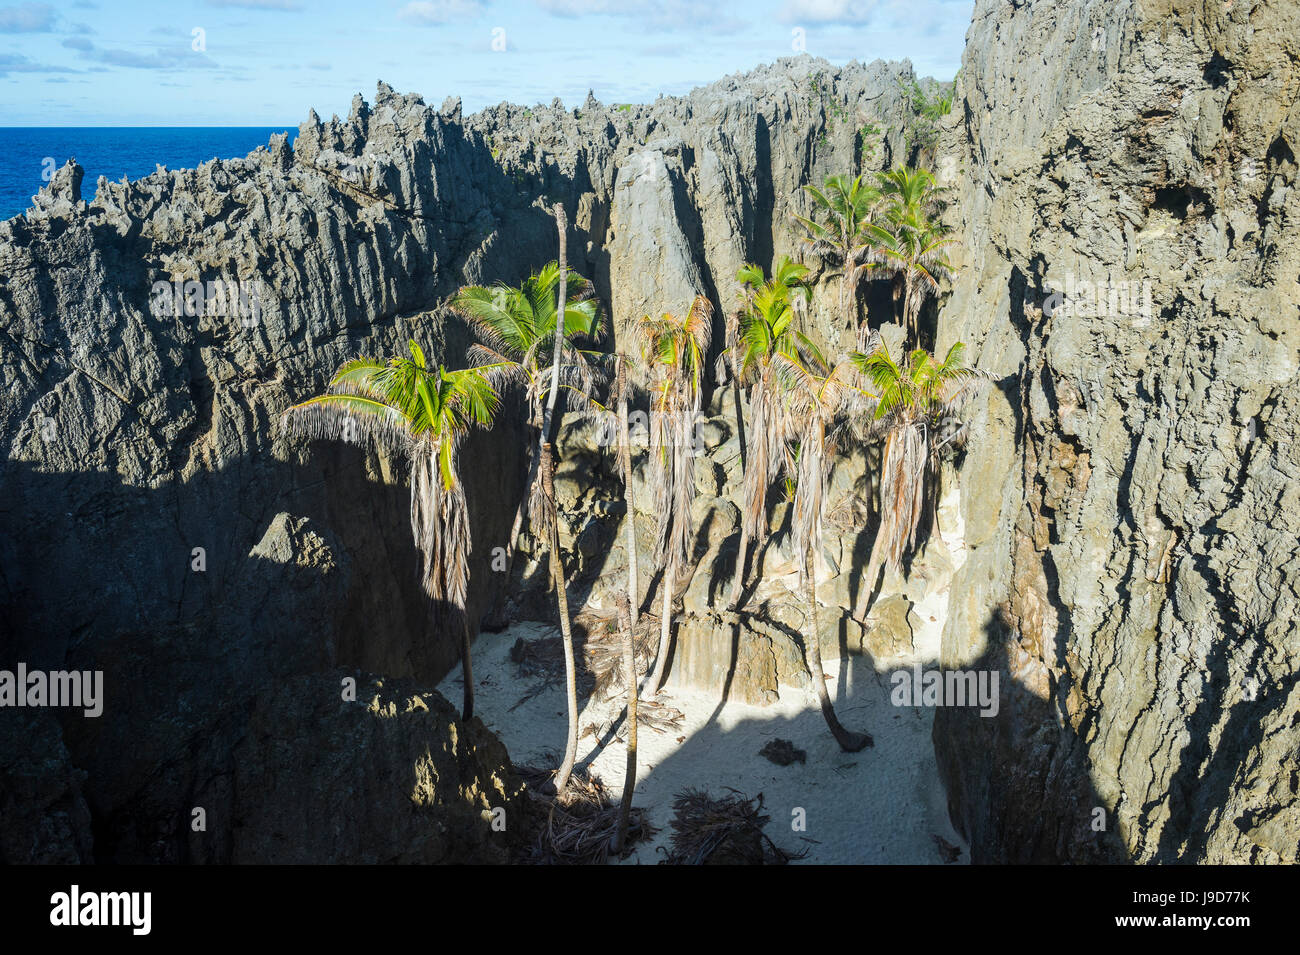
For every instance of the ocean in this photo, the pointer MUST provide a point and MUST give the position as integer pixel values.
(29, 155)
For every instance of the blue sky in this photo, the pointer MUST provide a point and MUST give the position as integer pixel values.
(265, 62)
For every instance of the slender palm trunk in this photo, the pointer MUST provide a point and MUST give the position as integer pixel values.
(629, 775)
(738, 581)
(910, 310)
(625, 456)
(467, 668)
(547, 464)
(849, 303)
(562, 597)
(849, 742)
(665, 629)
(562, 226)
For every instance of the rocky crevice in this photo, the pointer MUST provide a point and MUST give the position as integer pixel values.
(136, 434)
(1125, 568)
(1128, 496)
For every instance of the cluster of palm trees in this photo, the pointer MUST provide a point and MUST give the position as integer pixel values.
(891, 229)
(539, 338)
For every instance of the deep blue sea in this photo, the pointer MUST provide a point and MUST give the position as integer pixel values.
(29, 154)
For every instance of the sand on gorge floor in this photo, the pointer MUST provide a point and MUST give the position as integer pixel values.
(884, 804)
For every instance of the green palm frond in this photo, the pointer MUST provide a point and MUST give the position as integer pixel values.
(425, 413)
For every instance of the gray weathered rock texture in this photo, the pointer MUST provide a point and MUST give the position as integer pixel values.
(1129, 491)
(160, 527)
(1130, 494)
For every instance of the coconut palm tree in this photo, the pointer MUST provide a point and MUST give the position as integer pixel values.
(918, 402)
(674, 350)
(622, 391)
(423, 412)
(766, 329)
(849, 206)
(625, 625)
(816, 400)
(909, 239)
(517, 332)
(550, 515)
(516, 328)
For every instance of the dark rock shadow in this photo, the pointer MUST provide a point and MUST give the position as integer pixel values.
(1019, 785)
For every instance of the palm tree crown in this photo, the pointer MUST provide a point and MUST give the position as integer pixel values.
(915, 399)
(849, 206)
(516, 329)
(424, 412)
(909, 239)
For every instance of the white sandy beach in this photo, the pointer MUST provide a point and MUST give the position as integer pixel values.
(882, 805)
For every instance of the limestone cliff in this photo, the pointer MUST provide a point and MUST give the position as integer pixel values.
(1129, 491)
(1130, 494)
(160, 527)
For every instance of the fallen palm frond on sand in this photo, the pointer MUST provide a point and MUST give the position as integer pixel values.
(652, 714)
(726, 831)
(578, 827)
(657, 716)
(543, 660)
(603, 653)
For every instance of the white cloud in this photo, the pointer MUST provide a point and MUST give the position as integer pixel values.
(27, 18)
(668, 15)
(257, 4)
(827, 11)
(433, 12)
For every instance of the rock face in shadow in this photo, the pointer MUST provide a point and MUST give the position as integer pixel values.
(394, 777)
(161, 528)
(1131, 495)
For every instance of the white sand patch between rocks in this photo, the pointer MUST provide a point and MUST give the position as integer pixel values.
(882, 805)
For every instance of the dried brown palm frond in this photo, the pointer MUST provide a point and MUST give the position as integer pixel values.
(581, 824)
(816, 398)
(651, 714)
(542, 660)
(604, 655)
(766, 437)
(725, 831)
(847, 514)
(674, 351)
(656, 715)
(902, 493)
